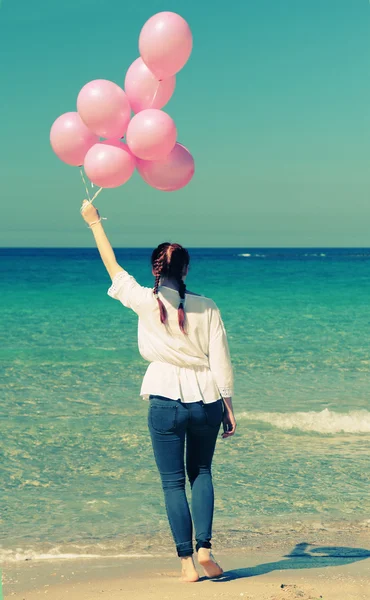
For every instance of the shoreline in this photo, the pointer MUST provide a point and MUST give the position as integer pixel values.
(327, 568)
(261, 533)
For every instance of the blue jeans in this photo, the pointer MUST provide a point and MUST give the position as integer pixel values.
(170, 423)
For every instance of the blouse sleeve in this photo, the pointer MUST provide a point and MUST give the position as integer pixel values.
(219, 355)
(127, 290)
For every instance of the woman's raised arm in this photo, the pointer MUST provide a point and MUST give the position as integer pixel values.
(91, 215)
(124, 286)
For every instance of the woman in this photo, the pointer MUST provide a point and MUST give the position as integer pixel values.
(189, 384)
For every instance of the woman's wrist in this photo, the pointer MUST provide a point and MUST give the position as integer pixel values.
(95, 223)
(228, 404)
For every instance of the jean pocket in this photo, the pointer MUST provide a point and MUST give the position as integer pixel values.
(214, 413)
(163, 419)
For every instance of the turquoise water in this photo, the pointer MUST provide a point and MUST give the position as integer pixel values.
(77, 472)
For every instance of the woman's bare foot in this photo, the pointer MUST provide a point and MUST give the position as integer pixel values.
(210, 567)
(188, 570)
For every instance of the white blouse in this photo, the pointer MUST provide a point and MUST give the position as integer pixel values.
(189, 367)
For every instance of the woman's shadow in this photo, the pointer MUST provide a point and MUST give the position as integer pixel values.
(301, 558)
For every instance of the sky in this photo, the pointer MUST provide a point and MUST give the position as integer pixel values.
(274, 105)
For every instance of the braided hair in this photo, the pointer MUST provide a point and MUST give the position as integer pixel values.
(170, 260)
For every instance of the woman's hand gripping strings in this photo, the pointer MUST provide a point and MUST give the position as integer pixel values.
(91, 216)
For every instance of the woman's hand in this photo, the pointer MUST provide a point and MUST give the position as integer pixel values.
(89, 212)
(229, 424)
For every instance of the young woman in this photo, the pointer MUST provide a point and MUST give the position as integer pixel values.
(189, 384)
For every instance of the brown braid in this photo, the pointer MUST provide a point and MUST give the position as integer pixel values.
(181, 310)
(170, 260)
(158, 265)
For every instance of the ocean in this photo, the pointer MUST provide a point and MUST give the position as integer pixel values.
(77, 472)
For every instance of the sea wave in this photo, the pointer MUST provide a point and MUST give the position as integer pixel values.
(325, 421)
(307, 254)
(253, 255)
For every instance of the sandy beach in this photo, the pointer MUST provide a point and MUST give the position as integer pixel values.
(307, 572)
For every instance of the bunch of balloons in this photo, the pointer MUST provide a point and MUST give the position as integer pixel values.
(93, 136)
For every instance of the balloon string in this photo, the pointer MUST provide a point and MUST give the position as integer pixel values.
(155, 94)
(85, 184)
(96, 194)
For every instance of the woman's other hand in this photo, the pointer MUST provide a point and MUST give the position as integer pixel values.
(229, 423)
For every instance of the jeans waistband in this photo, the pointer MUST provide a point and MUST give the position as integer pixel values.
(153, 397)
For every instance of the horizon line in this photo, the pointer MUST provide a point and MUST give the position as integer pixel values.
(190, 247)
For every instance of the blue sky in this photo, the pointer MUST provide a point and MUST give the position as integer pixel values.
(274, 104)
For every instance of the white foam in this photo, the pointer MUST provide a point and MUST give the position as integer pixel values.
(243, 254)
(22, 554)
(325, 421)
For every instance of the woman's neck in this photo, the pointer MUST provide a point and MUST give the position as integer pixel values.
(169, 283)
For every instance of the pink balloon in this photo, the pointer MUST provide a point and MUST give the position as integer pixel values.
(172, 173)
(109, 164)
(71, 139)
(143, 88)
(151, 134)
(104, 108)
(165, 44)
